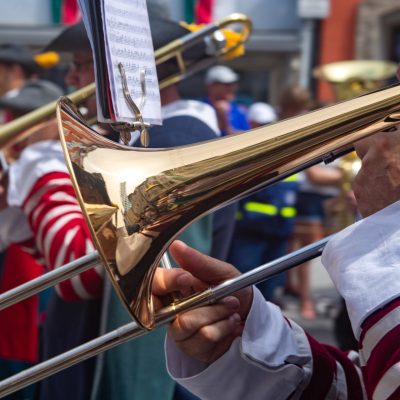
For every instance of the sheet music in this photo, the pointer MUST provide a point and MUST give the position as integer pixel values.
(128, 40)
(87, 18)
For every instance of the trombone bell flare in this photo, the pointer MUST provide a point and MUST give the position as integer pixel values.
(136, 201)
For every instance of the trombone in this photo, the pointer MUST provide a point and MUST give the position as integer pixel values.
(217, 47)
(196, 179)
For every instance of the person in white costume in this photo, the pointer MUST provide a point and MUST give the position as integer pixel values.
(243, 347)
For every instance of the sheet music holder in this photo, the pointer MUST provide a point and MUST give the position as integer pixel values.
(119, 33)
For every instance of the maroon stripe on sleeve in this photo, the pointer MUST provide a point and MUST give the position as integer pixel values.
(324, 369)
(64, 236)
(377, 316)
(354, 386)
(385, 354)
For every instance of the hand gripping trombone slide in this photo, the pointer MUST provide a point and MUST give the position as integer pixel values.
(165, 315)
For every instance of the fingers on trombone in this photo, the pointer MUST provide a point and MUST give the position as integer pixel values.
(210, 323)
(379, 142)
(167, 281)
(206, 333)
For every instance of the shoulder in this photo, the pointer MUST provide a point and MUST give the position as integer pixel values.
(180, 130)
(195, 109)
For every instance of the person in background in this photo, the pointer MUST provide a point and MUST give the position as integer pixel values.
(221, 85)
(191, 121)
(260, 114)
(16, 67)
(243, 347)
(38, 184)
(264, 220)
(315, 185)
(21, 323)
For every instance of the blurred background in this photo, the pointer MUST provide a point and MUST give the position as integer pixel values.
(290, 37)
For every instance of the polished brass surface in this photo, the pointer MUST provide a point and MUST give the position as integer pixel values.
(355, 77)
(146, 197)
(14, 131)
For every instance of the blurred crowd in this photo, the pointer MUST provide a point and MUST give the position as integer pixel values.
(42, 227)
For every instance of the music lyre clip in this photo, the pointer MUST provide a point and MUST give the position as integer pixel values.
(125, 128)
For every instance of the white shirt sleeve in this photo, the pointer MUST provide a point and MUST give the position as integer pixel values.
(363, 260)
(272, 360)
(34, 162)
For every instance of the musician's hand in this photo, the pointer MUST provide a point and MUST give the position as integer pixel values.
(377, 184)
(205, 333)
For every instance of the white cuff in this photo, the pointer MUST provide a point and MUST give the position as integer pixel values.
(364, 263)
(270, 361)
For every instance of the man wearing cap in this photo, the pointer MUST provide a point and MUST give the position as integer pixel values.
(16, 67)
(19, 342)
(221, 84)
(39, 185)
(71, 323)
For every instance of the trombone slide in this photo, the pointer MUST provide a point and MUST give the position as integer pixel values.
(165, 315)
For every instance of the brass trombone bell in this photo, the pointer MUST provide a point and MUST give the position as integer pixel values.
(136, 201)
(355, 77)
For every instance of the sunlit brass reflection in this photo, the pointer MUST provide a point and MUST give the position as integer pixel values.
(137, 201)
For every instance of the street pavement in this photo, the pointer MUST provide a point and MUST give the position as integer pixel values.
(326, 300)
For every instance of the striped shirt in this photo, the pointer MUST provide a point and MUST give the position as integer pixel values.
(60, 234)
(372, 373)
(297, 366)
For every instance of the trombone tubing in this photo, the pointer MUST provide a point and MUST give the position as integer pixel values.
(164, 316)
(86, 262)
(49, 279)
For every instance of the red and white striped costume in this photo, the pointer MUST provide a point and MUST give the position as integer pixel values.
(275, 358)
(40, 185)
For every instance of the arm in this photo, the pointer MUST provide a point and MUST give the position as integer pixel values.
(320, 175)
(40, 185)
(363, 261)
(211, 353)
